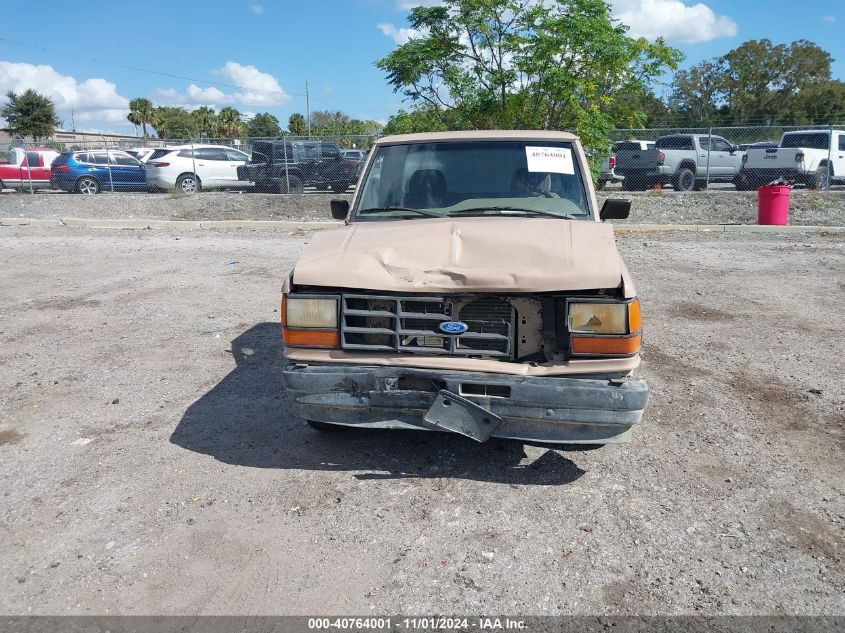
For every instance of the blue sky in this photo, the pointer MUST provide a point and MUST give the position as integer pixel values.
(256, 55)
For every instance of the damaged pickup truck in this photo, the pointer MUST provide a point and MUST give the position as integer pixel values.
(474, 288)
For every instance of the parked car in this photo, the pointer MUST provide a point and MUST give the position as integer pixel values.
(608, 169)
(815, 158)
(686, 161)
(357, 156)
(290, 166)
(191, 168)
(141, 153)
(25, 168)
(92, 171)
(474, 289)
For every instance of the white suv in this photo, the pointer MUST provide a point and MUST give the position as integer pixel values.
(190, 168)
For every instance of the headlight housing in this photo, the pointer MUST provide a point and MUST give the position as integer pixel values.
(318, 312)
(604, 328)
(310, 321)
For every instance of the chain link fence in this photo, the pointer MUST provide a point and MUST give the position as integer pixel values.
(689, 159)
(287, 164)
(694, 159)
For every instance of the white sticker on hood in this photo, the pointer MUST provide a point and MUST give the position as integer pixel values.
(555, 160)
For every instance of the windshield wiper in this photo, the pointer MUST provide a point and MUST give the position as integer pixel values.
(546, 214)
(418, 211)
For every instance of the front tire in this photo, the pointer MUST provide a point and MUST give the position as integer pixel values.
(188, 184)
(684, 180)
(87, 186)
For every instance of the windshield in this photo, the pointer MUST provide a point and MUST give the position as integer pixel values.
(812, 140)
(448, 179)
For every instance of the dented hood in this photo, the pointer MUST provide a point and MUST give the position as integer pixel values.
(481, 254)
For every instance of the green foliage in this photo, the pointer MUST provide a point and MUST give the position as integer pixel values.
(297, 125)
(758, 82)
(30, 114)
(140, 113)
(424, 119)
(326, 123)
(230, 123)
(205, 119)
(172, 122)
(559, 64)
(263, 125)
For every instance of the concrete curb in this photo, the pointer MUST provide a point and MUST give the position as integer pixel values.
(132, 223)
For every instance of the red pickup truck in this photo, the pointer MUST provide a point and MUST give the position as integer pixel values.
(25, 167)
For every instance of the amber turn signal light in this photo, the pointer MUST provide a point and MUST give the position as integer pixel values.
(605, 346)
(311, 338)
(635, 320)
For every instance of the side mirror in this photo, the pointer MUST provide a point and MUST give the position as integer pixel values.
(340, 209)
(615, 209)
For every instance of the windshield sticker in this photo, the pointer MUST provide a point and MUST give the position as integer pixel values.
(555, 160)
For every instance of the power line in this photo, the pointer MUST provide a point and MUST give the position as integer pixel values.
(160, 73)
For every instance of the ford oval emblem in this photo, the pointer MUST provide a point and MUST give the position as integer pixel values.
(453, 327)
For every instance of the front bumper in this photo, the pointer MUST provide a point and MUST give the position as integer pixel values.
(590, 410)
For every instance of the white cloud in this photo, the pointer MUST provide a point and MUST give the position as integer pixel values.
(257, 88)
(93, 100)
(673, 20)
(830, 19)
(257, 9)
(398, 35)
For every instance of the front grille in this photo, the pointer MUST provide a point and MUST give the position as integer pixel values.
(410, 324)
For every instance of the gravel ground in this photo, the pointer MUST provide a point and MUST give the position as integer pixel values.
(151, 463)
(713, 207)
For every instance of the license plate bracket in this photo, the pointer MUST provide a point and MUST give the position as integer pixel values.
(455, 413)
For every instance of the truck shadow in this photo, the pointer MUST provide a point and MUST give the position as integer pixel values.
(248, 420)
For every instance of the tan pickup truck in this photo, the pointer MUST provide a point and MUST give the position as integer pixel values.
(474, 288)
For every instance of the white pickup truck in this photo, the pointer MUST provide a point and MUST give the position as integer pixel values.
(815, 158)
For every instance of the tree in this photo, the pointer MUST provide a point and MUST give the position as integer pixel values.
(30, 114)
(557, 64)
(697, 93)
(229, 123)
(419, 120)
(297, 125)
(263, 124)
(757, 82)
(821, 103)
(173, 122)
(206, 120)
(762, 80)
(140, 113)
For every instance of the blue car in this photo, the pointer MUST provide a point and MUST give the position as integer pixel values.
(93, 171)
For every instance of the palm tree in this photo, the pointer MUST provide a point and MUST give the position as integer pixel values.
(206, 119)
(141, 113)
(229, 123)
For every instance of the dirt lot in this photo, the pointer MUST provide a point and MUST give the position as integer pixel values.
(712, 207)
(151, 463)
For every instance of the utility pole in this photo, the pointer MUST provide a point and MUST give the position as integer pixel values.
(72, 122)
(308, 108)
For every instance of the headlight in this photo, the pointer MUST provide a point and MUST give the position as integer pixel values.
(598, 318)
(310, 313)
(604, 329)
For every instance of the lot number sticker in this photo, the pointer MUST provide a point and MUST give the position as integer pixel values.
(555, 160)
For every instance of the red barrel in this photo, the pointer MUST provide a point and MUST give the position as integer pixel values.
(773, 204)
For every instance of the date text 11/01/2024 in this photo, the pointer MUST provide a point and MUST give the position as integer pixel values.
(419, 623)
